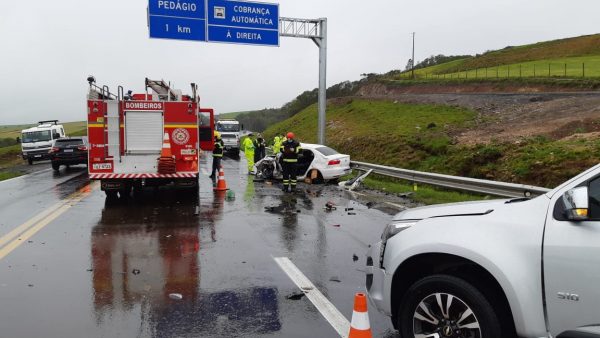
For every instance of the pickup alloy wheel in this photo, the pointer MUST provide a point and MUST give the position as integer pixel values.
(444, 306)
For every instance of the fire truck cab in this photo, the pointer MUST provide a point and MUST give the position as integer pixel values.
(131, 134)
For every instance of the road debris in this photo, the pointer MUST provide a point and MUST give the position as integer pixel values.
(348, 209)
(355, 182)
(354, 257)
(135, 271)
(176, 296)
(329, 206)
(295, 296)
(352, 213)
(337, 225)
(335, 279)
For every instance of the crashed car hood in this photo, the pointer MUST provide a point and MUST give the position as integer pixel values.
(453, 209)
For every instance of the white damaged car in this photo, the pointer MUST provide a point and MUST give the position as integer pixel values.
(315, 161)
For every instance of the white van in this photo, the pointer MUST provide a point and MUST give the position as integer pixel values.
(36, 142)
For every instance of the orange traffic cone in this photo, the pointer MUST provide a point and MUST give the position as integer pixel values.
(166, 162)
(360, 327)
(166, 147)
(221, 184)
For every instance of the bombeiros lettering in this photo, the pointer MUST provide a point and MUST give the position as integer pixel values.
(144, 105)
(177, 5)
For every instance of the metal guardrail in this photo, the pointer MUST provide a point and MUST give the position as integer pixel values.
(454, 182)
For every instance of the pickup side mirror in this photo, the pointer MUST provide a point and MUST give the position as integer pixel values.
(576, 204)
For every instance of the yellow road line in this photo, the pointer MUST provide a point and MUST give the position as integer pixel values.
(26, 230)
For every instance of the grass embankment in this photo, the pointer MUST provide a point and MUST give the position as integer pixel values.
(10, 150)
(421, 137)
(423, 193)
(581, 55)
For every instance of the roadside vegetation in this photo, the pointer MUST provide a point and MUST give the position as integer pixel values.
(423, 137)
(11, 162)
(577, 57)
(421, 193)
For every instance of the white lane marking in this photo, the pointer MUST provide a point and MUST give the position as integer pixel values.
(24, 176)
(327, 309)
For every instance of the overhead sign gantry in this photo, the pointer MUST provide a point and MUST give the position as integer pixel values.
(238, 22)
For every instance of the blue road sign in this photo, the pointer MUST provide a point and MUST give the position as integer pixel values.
(179, 19)
(243, 35)
(165, 27)
(244, 22)
(228, 21)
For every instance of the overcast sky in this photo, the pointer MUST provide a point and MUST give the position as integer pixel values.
(48, 48)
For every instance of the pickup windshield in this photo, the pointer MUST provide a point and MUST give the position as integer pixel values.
(36, 136)
(228, 127)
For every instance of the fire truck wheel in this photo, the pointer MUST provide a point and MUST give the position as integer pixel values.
(55, 166)
(111, 194)
(30, 161)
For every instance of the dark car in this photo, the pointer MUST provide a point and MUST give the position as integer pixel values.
(69, 151)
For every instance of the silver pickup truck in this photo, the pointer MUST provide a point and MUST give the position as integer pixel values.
(494, 269)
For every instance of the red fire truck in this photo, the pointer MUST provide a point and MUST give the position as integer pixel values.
(134, 137)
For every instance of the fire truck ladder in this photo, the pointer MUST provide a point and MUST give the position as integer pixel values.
(164, 91)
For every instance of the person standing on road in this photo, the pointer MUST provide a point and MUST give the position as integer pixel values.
(259, 148)
(290, 150)
(248, 147)
(276, 144)
(217, 154)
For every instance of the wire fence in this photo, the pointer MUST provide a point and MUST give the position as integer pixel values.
(526, 70)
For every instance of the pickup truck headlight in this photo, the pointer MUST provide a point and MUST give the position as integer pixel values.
(390, 231)
(395, 227)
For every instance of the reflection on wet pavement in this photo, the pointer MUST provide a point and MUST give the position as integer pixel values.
(145, 249)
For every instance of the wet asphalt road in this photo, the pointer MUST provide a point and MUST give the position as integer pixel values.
(105, 268)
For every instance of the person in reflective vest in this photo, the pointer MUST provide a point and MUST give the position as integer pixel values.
(290, 150)
(217, 154)
(276, 144)
(260, 150)
(248, 147)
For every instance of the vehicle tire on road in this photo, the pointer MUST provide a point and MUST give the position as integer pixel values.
(112, 194)
(448, 306)
(55, 166)
(30, 161)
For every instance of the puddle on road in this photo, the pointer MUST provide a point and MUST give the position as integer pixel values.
(158, 237)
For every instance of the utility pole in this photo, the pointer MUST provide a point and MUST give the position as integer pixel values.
(413, 57)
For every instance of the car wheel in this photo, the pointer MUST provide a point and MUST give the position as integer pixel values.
(55, 166)
(319, 179)
(30, 161)
(446, 306)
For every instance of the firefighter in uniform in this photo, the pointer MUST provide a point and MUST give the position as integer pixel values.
(290, 150)
(217, 154)
(260, 150)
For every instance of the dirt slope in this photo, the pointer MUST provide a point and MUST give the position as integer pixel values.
(506, 116)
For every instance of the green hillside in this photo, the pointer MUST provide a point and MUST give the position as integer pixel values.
(78, 128)
(581, 55)
(422, 137)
